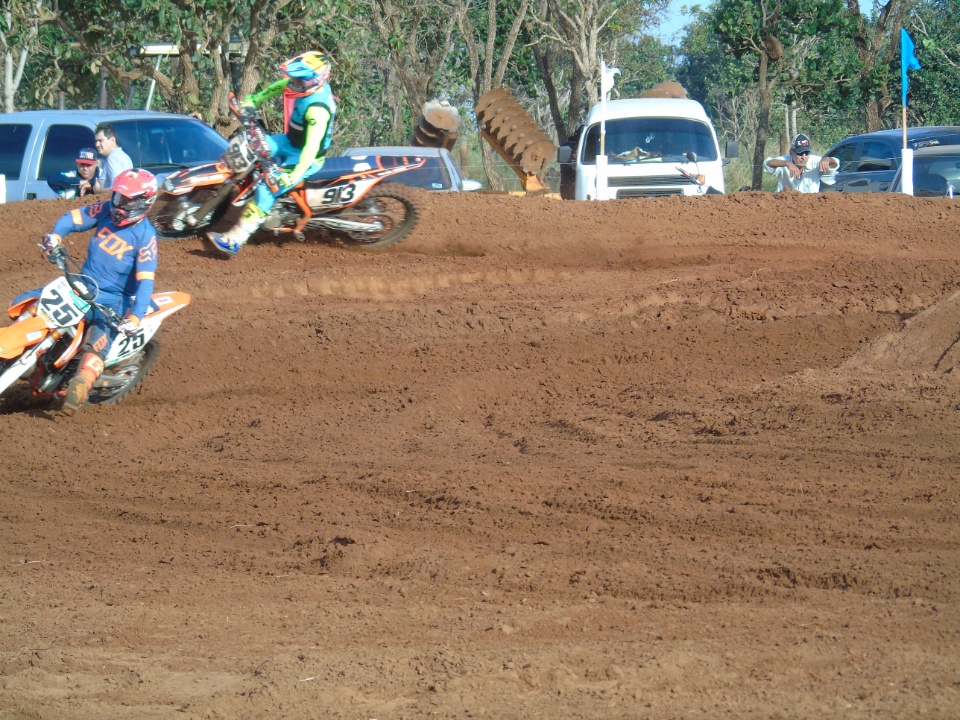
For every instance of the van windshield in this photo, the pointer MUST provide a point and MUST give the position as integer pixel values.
(650, 140)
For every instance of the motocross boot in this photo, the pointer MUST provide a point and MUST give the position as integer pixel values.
(91, 365)
(233, 239)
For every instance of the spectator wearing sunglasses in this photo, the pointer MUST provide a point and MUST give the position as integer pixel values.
(800, 170)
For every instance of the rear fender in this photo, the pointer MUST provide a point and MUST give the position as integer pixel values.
(372, 167)
(162, 305)
(189, 179)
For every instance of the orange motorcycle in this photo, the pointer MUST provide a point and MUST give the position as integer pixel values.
(48, 329)
(350, 196)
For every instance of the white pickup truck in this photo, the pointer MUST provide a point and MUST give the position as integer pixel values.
(35, 144)
(654, 147)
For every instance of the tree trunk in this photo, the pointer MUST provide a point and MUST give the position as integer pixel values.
(102, 96)
(8, 88)
(873, 115)
(763, 122)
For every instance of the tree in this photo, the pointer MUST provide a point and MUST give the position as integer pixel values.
(877, 44)
(199, 78)
(489, 50)
(418, 38)
(935, 25)
(571, 37)
(723, 84)
(20, 23)
(776, 39)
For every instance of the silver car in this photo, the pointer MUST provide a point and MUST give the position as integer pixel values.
(869, 161)
(438, 173)
(936, 172)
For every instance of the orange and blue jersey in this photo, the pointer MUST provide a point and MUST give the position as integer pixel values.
(122, 260)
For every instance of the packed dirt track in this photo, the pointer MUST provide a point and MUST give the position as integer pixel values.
(687, 457)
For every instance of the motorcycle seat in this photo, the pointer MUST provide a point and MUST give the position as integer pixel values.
(334, 167)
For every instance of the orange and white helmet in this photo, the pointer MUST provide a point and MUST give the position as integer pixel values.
(308, 72)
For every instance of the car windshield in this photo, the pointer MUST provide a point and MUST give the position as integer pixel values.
(161, 143)
(432, 175)
(651, 140)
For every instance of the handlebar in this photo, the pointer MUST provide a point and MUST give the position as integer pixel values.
(242, 113)
(62, 259)
(257, 139)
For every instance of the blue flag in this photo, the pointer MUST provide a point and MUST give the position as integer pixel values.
(908, 61)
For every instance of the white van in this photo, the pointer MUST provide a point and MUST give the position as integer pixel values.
(648, 141)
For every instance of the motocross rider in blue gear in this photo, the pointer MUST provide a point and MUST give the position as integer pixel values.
(309, 110)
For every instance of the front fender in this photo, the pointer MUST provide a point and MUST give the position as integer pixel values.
(22, 301)
(14, 338)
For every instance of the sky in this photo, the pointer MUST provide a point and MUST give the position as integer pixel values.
(674, 20)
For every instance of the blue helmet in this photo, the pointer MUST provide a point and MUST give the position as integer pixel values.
(308, 73)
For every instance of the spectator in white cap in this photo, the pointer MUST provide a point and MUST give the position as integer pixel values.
(800, 170)
(79, 182)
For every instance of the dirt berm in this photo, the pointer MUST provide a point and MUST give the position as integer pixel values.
(648, 459)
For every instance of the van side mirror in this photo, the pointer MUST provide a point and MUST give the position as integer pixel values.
(732, 149)
(691, 156)
(564, 153)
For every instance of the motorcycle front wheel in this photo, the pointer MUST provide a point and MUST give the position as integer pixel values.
(391, 208)
(169, 214)
(118, 381)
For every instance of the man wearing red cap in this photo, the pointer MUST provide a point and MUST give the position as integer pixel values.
(800, 170)
(79, 182)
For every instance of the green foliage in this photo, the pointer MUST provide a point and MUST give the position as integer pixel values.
(643, 63)
(933, 98)
(716, 60)
(706, 69)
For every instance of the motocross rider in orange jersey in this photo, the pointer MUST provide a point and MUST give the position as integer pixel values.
(309, 109)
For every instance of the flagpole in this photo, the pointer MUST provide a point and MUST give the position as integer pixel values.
(904, 127)
(606, 85)
(908, 61)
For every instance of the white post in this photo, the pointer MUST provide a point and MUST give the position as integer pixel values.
(606, 85)
(3, 189)
(906, 174)
(153, 83)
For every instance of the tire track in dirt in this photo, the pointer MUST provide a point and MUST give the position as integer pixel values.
(379, 287)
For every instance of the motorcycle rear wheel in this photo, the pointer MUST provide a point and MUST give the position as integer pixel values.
(167, 214)
(392, 204)
(122, 379)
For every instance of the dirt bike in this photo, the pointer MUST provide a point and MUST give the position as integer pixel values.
(48, 329)
(347, 196)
